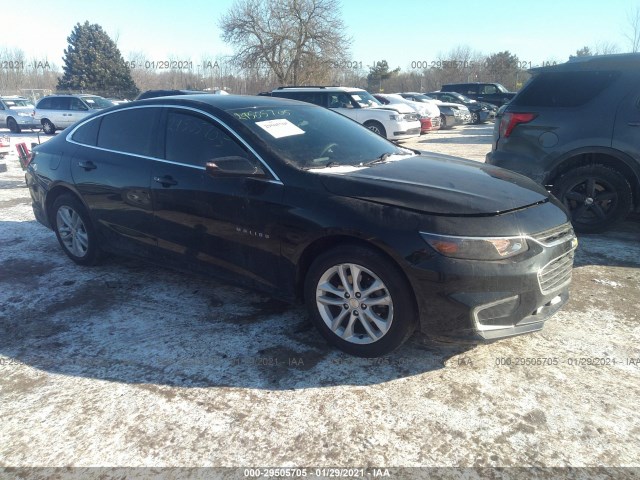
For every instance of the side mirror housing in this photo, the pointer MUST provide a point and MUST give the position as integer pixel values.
(234, 167)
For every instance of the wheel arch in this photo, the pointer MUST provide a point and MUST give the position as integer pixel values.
(321, 245)
(607, 157)
(52, 196)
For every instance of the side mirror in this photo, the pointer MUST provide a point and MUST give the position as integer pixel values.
(234, 167)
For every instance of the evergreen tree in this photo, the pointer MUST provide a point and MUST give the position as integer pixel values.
(93, 64)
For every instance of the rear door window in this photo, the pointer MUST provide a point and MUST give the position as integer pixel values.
(130, 131)
(564, 89)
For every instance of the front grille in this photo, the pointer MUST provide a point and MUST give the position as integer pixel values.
(556, 274)
(554, 236)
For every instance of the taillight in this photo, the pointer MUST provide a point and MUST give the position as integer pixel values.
(510, 120)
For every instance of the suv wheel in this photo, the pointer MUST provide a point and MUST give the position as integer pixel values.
(597, 197)
(12, 125)
(475, 118)
(48, 127)
(376, 127)
(360, 301)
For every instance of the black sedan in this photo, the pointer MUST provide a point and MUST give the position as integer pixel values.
(305, 204)
(481, 112)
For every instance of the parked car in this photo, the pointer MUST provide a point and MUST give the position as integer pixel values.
(494, 93)
(304, 203)
(429, 113)
(16, 113)
(481, 112)
(575, 128)
(451, 114)
(360, 106)
(57, 112)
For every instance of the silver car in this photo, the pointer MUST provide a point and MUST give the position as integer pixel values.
(57, 112)
(16, 113)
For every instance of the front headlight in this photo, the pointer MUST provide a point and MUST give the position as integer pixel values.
(24, 114)
(476, 248)
(397, 118)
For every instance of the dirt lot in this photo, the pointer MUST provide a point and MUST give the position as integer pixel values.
(127, 364)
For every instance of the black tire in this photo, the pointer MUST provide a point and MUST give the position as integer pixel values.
(12, 125)
(376, 127)
(443, 122)
(475, 118)
(48, 127)
(393, 303)
(80, 243)
(597, 197)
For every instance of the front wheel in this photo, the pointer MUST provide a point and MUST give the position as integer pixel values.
(443, 122)
(376, 127)
(74, 230)
(12, 125)
(360, 301)
(596, 196)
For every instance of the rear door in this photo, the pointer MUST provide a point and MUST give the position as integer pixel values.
(626, 134)
(228, 225)
(111, 168)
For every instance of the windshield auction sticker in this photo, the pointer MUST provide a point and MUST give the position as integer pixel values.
(280, 128)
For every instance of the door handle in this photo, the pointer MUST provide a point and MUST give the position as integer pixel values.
(166, 181)
(89, 165)
(634, 124)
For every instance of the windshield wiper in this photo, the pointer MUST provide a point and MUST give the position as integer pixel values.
(383, 158)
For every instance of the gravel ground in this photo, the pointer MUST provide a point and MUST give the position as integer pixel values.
(130, 365)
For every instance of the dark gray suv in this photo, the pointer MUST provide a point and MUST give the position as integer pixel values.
(575, 128)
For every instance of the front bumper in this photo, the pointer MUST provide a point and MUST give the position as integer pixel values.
(471, 301)
(403, 130)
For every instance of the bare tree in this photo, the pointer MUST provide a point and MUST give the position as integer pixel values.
(294, 39)
(633, 34)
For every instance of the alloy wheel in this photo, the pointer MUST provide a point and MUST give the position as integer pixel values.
(354, 303)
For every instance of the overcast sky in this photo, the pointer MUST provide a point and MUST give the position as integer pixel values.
(400, 32)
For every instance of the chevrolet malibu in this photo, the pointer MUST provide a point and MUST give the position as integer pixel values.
(305, 204)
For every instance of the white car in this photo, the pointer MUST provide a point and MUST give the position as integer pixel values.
(57, 112)
(452, 114)
(360, 106)
(16, 113)
(429, 112)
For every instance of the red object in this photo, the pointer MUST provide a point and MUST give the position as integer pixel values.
(511, 120)
(23, 154)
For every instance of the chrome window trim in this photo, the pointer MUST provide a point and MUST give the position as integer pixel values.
(68, 138)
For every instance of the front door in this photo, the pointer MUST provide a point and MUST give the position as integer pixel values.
(225, 224)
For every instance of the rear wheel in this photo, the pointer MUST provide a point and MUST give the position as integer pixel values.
(376, 127)
(74, 230)
(48, 127)
(360, 301)
(597, 197)
(12, 125)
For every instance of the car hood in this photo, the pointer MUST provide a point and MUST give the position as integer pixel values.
(436, 184)
(28, 110)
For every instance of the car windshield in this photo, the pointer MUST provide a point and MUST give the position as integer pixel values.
(365, 99)
(422, 98)
(18, 102)
(309, 137)
(97, 103)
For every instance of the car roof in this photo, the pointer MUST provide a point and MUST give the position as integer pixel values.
(331, 88)
(619, 61)
(223, 102)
